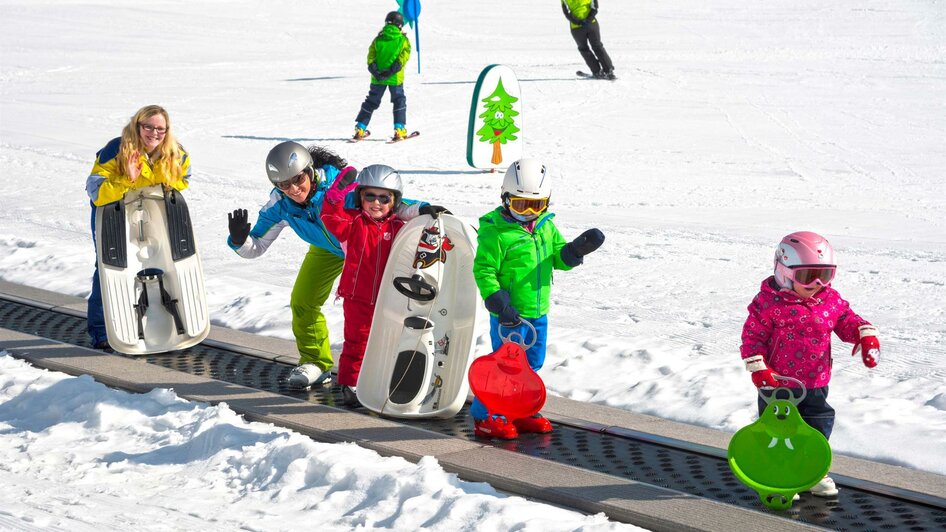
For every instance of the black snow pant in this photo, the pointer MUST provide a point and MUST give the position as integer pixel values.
(592, 51)
(373, 101)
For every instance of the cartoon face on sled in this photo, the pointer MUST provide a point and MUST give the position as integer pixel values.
(779, 455)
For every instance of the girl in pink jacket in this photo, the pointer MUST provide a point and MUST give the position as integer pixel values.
(788, 331)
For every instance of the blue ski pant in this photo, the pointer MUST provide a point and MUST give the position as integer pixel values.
(535, 354)
(814, 409)
(373, 101)
(95, 313)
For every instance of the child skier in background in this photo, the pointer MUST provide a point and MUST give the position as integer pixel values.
(367, 232)
(387, 55)
(788, 331)
(518, 246)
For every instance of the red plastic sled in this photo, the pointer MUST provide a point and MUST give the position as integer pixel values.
(506, 384)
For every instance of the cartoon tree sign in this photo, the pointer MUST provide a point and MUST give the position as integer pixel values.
(495, 128)
(499, 117)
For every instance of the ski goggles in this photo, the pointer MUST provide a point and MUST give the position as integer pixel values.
(528, 205)
(808, 276)
(383, 199)
(294, 181)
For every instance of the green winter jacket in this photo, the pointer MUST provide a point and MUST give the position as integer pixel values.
(390, 46)
(508, 257)
(578, 10)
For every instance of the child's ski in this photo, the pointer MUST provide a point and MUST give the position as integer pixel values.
(410, 136)
(359, 139)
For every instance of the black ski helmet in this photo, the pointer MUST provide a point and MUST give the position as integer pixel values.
(394, 18)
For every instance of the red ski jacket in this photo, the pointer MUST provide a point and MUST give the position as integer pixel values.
(367, 244)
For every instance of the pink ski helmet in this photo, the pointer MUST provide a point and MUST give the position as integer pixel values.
(806, 258)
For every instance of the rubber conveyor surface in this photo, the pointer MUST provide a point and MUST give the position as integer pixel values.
(682, 470)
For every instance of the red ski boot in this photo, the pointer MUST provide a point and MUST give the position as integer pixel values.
(534, 424)
(494, 427)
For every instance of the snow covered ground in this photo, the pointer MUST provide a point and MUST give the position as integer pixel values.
(732, 123)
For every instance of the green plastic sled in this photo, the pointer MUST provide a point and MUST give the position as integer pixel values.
(779, 455)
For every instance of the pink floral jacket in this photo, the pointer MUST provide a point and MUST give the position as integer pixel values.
(793, 335)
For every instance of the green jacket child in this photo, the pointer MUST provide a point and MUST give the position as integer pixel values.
(518, 246)
(387, 56)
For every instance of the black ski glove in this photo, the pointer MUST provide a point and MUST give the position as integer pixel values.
(498, 304)
(375, 71)
(349, 174)
(587, 242)
(239, 226)
(395, 67)
(433, 210)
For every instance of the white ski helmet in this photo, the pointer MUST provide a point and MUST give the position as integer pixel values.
(803, 249)
(527, 178)
(380, 176)
(286, 160)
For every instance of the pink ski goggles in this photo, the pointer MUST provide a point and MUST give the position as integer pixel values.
(808, 276)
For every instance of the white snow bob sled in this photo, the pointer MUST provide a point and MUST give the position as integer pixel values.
(779, 454)
(152, 281)
(421, 340)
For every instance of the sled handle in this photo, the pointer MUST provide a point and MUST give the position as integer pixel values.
(415, 287)
(522, 339)
(770, 398)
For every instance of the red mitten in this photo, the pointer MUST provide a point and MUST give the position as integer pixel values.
(869, 345)
(762, 375)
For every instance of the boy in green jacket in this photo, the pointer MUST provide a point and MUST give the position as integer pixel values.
(387, 55)
(518, 246)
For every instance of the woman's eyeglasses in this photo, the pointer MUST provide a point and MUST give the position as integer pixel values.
(383, 199)
(153, 129)
(295, 181)
(528, 205)
(808, 276)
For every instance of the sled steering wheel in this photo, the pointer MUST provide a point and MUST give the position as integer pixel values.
(415, 287)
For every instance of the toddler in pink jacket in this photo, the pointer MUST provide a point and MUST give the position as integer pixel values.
(788, 331)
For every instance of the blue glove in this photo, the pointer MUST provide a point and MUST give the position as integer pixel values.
(498, 304)
(587, 242)
(375, 71)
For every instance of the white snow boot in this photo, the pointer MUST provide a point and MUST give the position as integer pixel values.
(306, 375)
(824, 488)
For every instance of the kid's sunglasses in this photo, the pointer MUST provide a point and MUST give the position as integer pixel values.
(383, 199)
(808, 276)
(527, 205)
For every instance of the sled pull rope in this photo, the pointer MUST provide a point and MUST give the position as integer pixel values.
(436, 295)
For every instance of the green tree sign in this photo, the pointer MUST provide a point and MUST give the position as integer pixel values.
(499, 120)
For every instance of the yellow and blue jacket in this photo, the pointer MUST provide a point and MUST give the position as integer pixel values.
(580, 11)
(108, 183)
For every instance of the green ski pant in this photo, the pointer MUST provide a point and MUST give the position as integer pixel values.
(313, 285)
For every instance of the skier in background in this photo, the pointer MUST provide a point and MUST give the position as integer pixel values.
(387, 56)
(587, 34)
(788, 331)
(518, 246)
(368, 233)
(146, 154)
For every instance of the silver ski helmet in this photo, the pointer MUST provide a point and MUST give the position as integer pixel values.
(287, 160)
(394, 18)
(380, 176)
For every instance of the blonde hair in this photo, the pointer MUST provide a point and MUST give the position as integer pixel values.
(168, 155)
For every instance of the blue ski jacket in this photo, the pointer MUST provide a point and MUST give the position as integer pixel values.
(281, 212)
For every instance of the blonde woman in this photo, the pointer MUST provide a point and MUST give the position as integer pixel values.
(146, 154)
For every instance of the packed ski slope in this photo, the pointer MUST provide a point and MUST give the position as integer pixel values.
(732, 123)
